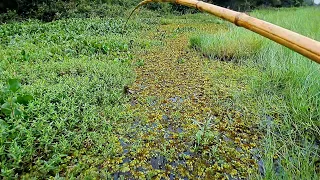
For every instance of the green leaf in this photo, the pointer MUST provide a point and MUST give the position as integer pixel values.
(125, 169)
(2, 101)
(6, 108)
(24, 99)
(14, 85)
(3, 123)
(23, 53)
(17, 112)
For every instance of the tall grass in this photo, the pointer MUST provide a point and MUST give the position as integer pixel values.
(287, 90)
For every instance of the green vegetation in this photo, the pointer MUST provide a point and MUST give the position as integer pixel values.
(12, 102)
(75, 70)
(49, 10)
(233, 45)
(81, 97)
(286, 90)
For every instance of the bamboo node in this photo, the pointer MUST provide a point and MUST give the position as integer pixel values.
(197, 5)
(237, 18)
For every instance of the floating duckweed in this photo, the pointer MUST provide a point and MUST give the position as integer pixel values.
(182, 125)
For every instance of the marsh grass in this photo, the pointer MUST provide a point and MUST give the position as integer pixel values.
(227, 46)
(287, 91)
(293, 79)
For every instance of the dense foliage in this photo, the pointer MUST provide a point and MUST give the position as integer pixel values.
(248, 4)
(65, 88)
(61, 87)
(48, 10)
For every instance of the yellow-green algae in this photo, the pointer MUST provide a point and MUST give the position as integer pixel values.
(185, 122)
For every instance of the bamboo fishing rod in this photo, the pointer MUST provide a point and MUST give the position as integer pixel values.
(297, 42)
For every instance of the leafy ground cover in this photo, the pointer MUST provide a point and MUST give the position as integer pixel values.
(75, 70)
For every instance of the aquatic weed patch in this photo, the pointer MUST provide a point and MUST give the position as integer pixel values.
(184, 123)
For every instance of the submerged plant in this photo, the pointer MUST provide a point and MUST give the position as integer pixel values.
(204, 135)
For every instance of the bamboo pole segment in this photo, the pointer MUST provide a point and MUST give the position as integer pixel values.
(297, 42)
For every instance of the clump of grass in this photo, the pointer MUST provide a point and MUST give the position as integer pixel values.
(165, 21)
(227, 46)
